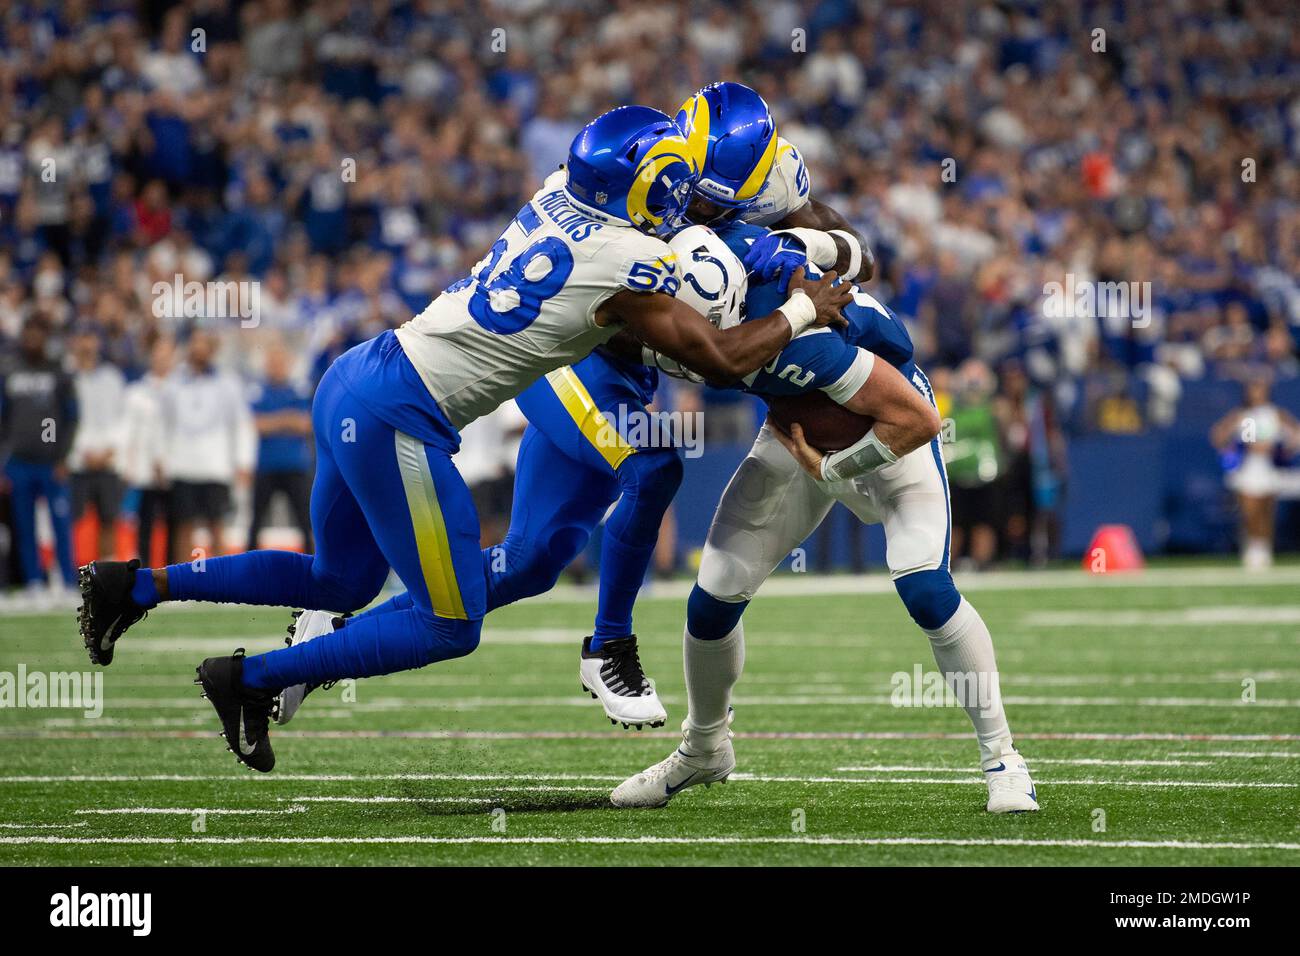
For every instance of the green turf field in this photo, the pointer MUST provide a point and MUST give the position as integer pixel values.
(1125, 696)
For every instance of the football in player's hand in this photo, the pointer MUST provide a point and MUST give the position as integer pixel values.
(827, 425)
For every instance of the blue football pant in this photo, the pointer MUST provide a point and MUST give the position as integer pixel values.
(573, 464)
(380, 499)
(29, 483)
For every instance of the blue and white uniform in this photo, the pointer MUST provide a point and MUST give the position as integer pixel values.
(772, 505)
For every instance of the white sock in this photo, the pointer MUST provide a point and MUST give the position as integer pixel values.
(963, 649)
(712, 669)
(1257, 554)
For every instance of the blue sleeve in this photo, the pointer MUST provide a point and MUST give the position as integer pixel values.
(814, 360)
(874, 327)
(739, 236)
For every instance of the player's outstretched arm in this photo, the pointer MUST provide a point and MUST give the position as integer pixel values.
(681, 333)
(821, 217)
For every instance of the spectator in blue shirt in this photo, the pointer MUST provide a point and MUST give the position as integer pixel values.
(282, 414)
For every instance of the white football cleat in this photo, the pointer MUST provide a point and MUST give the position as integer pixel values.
(306, 625)
(655, 786)
(613, 676)
(1010, 788)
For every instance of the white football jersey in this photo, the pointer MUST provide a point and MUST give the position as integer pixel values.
(529, 306)
(787, 188)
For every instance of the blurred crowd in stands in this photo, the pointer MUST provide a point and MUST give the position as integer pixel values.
(352, 157)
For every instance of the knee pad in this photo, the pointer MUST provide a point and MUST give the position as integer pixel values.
(732, 567)
(711, 619)
(931, 597)
(651, 475)
(455, 637)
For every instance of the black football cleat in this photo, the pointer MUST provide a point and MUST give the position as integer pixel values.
(245, 712)
(107, 608)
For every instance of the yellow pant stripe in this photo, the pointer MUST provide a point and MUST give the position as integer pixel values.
(595, 427)
(430, 529)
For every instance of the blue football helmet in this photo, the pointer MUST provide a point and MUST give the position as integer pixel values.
(632, 165)
(733, 140)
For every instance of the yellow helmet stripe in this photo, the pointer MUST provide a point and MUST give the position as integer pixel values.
(749, 189)
(669, 150)
(697, 128)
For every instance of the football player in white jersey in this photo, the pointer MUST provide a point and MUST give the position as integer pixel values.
(583, 259)
(893, 475)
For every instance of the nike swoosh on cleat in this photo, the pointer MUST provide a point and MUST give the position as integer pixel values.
(669, 791)
(104, 642)
(998, 769)
(243, 738)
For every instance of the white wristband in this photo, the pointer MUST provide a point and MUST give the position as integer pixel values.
(799, 311)
(855, 253)
(861, 458)
(821, 248)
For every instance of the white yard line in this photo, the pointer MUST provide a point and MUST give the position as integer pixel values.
(302, 777)
(606, 735)
(1246, 754)
(753, 778)
(42, 826)
(188, 811)
(416, 800)
(644, 840)
(1100, 762)
(877, 582)
(497, 791)
(972, 780)
(1072, 761)
(388, 704)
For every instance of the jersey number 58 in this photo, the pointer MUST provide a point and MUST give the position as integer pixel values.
(512, 300)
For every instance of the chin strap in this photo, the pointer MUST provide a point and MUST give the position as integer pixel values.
(862, 457)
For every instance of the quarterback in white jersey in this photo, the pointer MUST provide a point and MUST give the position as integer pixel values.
(892, 475)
